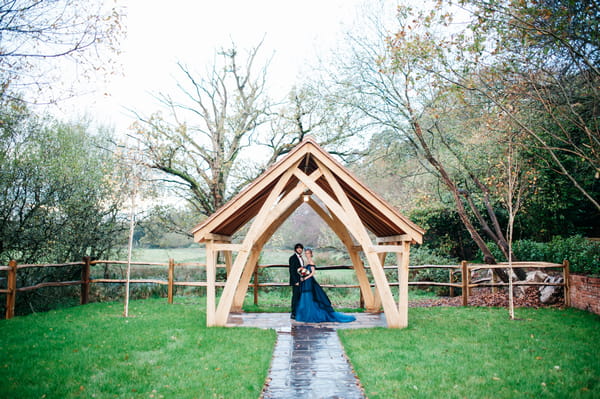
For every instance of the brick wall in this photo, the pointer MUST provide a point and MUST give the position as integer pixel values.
(585, 293)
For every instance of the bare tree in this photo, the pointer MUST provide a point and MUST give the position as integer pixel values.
(206, 147)
(388, 82)
(198, 147)
(36, 35)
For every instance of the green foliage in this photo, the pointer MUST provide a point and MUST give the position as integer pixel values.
(423, 255)
(583, 255)
(165, 227)
(479, 353)
(444, 231)
(57, 188)
(160, 351)
(59, 199)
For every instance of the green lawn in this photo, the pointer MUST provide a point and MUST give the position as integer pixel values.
(166, 351)
(479, 353)
(162, 351)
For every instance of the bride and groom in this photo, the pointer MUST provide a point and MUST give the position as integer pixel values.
(309, 302)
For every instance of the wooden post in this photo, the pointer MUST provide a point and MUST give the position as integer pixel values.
(403, 261)
(171, 280)
(85, 280)
(228, 261)
(11, 296)
(469, 289)
(451, 282)
(211, 276)
(256, 284)
(465, 282)
(566, 277)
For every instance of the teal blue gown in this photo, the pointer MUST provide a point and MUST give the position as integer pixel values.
(314, 305)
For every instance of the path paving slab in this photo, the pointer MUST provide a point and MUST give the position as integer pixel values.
(309, 359)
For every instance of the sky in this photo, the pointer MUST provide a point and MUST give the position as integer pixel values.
(160, 34)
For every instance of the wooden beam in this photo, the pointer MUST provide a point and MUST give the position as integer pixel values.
(387, 248)
(352, 221)
(227, 247)
(267, 214)
(387, 299)
(228, 261)
(393, 239)
(242, 288)
(414, 231)
(288, 163)
(217, 237)
(338, 228)
(233, 280)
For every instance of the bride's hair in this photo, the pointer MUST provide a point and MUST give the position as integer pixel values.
(309, 249)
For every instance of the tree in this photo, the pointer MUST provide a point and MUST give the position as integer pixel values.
(59, 196)
(58, 190)
(226, 131)
(390, 84)
(36, 33)
(199, 149)
(538, 63)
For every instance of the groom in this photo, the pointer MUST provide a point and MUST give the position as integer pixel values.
(296, 261)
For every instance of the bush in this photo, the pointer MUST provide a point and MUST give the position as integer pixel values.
(582, 254)
(426, 256)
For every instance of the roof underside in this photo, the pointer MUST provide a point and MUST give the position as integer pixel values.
(371, 212)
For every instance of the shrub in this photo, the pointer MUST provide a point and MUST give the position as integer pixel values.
(583, 255)
(426, 256)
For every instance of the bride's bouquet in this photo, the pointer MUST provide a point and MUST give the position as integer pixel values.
(302, 271)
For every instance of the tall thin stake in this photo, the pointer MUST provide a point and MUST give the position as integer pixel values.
(129, 250)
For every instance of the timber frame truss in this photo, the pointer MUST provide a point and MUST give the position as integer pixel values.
(309, 175)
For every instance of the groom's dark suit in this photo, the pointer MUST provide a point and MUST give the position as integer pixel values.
(295, 282)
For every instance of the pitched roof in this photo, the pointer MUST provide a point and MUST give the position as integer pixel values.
(376, 214)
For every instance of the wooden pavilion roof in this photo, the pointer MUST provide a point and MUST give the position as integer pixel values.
(376, 214)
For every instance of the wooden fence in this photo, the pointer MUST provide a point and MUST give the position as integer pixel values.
(459, 276)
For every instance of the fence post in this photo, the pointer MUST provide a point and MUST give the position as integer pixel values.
(465, 282)
(566, 277)
(85, 280)
(451, 278)
(171, 278)
(255, 288)
(11, 296)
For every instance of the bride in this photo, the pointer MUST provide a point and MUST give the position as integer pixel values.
(314, 306)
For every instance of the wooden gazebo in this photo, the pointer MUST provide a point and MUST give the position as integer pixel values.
(348, 207)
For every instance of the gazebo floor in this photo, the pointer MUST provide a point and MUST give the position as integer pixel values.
(282, 322)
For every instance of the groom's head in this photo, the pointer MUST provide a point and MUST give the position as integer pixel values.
(298, 248)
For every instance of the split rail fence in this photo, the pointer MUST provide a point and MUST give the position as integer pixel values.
(459, 276)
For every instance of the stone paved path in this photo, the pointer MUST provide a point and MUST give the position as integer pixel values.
(309, 360)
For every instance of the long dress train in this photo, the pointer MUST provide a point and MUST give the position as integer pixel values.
(314, 305)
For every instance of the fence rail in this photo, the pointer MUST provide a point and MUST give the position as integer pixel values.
(464, 271)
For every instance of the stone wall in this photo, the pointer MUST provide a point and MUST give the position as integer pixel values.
(585, 293)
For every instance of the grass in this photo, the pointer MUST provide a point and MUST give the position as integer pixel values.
(162, 351)
(166, 351)
(180, 255)
(479, 353)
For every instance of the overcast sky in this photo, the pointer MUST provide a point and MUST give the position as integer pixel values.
(161, 33)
